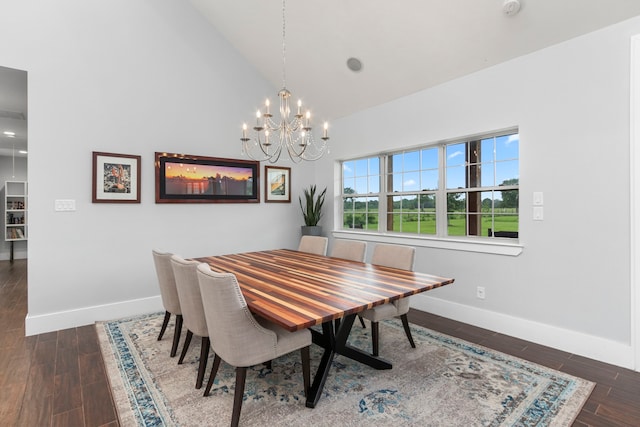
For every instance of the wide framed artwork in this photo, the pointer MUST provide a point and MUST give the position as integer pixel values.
(186, 178)
(116, 178)
(277, 184)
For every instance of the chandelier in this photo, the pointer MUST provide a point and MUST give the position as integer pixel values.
(273, 135)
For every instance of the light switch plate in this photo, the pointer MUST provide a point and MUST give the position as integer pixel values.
(65, 205)
(538, 213)
(538, 198)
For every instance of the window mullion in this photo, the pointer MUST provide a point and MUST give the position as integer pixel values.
(382, 198)
(441, 194)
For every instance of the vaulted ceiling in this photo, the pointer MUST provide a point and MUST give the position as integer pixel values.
(405, 46)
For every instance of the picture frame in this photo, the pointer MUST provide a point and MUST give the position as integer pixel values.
(186, 178)
(277, 184)
(116, 178)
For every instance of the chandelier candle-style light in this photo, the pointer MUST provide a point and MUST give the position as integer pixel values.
(271, 135)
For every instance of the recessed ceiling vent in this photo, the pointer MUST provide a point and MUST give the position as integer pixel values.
(354, 64)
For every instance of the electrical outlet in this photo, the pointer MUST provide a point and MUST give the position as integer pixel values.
(480, 292)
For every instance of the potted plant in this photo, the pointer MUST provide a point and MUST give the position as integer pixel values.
(312, 210)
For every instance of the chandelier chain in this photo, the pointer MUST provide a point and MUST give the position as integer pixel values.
(284, 46)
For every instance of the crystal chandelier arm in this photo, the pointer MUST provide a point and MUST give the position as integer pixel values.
(249, 148)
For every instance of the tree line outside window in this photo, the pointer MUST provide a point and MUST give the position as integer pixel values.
(461, 188)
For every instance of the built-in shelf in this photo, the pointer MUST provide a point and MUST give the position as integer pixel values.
(14, 197)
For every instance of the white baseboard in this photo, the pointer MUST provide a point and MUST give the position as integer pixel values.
(590, 346)
(48, 322)
(562, 339)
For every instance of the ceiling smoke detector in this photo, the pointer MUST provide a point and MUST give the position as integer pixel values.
(511, 7)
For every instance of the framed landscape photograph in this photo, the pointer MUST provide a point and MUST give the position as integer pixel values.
(116, 178)
(185, 178)
(277, 184)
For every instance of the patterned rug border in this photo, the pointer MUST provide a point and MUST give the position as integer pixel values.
(146, 404)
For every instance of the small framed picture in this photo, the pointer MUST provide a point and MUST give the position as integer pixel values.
(116, 178)
(277, 184)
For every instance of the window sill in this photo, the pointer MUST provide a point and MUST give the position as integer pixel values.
(481, 245)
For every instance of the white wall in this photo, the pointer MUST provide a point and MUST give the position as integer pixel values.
(12, 169)
(570, 286)
(134, 78)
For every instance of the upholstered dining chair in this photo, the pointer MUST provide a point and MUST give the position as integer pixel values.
(192, 311)
(395, 256)
(352, 250)
(238, 338)
(313, 245)
(169, 295)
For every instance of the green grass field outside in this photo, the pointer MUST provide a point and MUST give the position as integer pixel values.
(425, 223)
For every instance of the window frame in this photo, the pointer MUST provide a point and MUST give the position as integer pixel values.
(474, 243)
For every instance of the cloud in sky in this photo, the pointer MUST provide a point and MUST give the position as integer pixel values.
(456, 154)
(409, 182)
(512, 138)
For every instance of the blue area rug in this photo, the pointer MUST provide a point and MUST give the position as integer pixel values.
(443, 382)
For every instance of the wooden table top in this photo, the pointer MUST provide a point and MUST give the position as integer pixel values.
(297, 290)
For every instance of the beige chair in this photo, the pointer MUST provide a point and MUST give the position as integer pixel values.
(169, 295)
(352, 250)
(313, 245)
(395, 256)
(192, 311)
(238, 338)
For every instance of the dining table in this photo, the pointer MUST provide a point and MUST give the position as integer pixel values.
(298, 290)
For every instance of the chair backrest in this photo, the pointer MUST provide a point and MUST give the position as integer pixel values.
(353, 250)
(167, 281)
(313, 245)
(235, 334)
(188, 288)
(395, 256)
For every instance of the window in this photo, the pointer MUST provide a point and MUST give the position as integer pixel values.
(461, 188)
(412, 182)
(361, 189)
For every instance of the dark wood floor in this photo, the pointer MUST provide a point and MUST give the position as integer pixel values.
(53, 379)
(58, 378)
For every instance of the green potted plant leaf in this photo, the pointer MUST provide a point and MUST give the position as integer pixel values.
(312, 210)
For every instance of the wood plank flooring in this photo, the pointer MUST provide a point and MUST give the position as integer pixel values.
(52, 379)
(58, 378)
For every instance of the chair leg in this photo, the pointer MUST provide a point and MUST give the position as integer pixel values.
(374, 337)
(241, 375)
(185, 347)
(306, 369)
(407, 330)
(212, 375)
(362, 321)
(165, 322)
(176, 335)
(204, 355)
